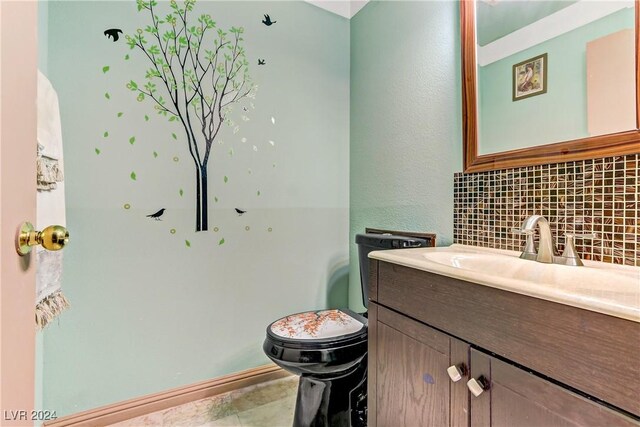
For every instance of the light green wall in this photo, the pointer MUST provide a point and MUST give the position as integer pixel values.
(147, 312)
(405, 120)
(558, 115)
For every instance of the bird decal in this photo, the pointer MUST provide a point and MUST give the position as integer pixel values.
(113, 33)
(261, 61)
(267, 21)
(157, 215)
(240, 211)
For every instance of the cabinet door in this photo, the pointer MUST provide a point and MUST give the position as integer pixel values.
(412, 385)
(515, 397)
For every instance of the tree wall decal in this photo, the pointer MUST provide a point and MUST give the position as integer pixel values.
(198, 72)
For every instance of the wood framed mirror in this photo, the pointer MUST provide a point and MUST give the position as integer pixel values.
(611, 144)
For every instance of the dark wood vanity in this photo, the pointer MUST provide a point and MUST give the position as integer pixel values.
(539, 363)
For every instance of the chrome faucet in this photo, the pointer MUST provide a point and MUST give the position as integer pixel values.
(546, 247)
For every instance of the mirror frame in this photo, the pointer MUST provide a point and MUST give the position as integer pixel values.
(627, 142)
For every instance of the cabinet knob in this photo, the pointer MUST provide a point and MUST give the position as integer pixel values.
(456, 372)
(477, 386)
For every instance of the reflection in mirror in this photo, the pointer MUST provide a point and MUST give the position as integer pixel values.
(550, 71)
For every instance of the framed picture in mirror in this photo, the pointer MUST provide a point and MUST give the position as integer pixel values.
(530, 77)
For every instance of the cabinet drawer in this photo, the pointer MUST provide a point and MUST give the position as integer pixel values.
(592, 352)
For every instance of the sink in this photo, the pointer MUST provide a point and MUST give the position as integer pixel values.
(597, 286)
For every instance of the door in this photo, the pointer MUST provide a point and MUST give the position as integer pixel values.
(18, 62)
(413, 387)
(515, 397)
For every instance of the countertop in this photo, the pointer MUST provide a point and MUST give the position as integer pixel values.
(606, 288)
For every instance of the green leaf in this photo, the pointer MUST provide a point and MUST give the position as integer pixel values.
(133, 176)
(226, 179)
(105, 69)
(133, 86)
(146, 118)
(126, 57)
(120, 114)
(258, 192)
(132, 140)
(181, 192)
(97, 151)
(105, 134)
(215, 199)
(221, 242)
(188, 243)
(172, 119)
(174, 136)
(155, 154)
(106, 95)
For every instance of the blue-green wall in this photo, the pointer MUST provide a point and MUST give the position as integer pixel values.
(558, 115)
(405, 120)
(147, 312)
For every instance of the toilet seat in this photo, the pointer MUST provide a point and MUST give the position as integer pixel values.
(318, 329)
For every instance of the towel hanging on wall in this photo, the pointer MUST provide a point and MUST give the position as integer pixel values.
(50, 203)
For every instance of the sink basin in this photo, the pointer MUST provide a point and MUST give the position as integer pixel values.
(597, 286)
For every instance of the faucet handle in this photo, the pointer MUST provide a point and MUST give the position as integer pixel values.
(569, 255)
(521, 231)
(529, 249)
(588, 236)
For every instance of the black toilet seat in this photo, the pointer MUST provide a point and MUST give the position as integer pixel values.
(328, 335)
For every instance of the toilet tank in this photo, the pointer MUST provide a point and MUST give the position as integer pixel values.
(380, 242)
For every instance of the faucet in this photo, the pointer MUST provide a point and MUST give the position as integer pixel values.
(546, 247)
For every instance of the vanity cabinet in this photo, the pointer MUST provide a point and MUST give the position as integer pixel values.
(411, 362)
(517, 398)
(542, 363)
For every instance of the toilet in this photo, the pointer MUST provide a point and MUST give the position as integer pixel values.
(328, 350)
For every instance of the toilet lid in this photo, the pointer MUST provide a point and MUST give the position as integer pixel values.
(313, 325)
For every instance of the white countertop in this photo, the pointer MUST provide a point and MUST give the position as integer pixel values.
(601, 287)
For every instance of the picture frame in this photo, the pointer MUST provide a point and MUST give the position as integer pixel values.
(530, 77)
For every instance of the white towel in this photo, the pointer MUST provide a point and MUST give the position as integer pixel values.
(50, 203)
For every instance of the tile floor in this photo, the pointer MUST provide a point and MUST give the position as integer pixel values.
(269, 404)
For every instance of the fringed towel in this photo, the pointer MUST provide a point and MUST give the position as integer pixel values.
(50, 203)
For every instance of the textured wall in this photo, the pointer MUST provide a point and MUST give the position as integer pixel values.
(149, 312)
(405, 120)
(595, 196)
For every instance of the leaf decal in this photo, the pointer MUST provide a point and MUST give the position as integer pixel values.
(258, 192)
(215, 199)
(221, 242)
(226, 179)
(105, 69)
(106, 95)
(146, 118)
(155, 154)
(132, 140)
(133, 176)
(174, 136)
(181, 192)
(126, 57)
(188, 243)
(120, 114)
(97, 151)
(105, 134)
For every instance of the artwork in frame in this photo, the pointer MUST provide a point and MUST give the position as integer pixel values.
(530, 77)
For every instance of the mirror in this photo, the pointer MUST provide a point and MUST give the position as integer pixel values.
(548, 81)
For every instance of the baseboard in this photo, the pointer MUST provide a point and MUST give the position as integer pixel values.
(143, 405)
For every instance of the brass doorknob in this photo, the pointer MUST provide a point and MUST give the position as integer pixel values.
(52, 238)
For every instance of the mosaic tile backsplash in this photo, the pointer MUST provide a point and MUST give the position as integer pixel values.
(596, 196)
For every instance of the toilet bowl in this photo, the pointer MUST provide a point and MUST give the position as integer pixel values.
(328, 350)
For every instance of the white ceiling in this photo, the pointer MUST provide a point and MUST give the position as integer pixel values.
(345, 8)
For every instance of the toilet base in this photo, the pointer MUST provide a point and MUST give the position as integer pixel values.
(333, 401)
